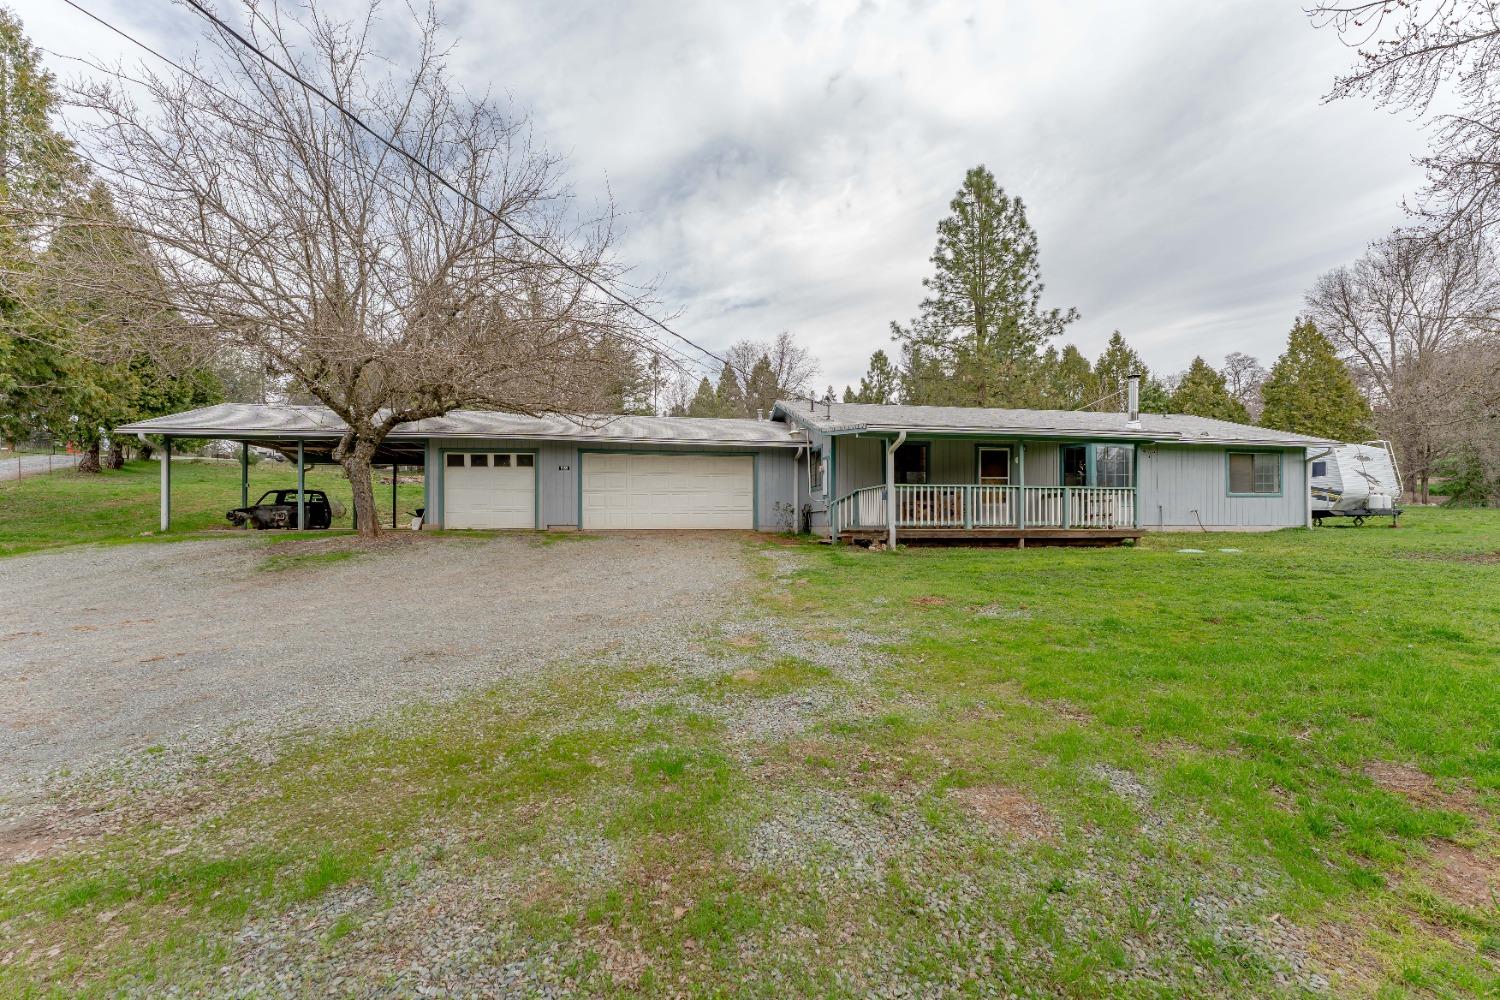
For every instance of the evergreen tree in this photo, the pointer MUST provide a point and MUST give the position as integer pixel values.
(1072, 380)
(729, 398)
(761, 388)
(982, 323)
(881, 384)
(1310, 391)
(704, 402)
(1202, 392)
(1119, 361)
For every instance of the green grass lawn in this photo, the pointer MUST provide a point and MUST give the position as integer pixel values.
(1129, 772)
(68, 508)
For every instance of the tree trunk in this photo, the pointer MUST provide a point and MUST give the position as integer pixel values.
(147, 449)
(1425, 496)
(116, 457)
(89, 462)
(356, 465)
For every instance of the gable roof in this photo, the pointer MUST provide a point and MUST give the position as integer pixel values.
(854, 418)
(250, 421)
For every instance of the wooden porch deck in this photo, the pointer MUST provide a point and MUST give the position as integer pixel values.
(1018, 537)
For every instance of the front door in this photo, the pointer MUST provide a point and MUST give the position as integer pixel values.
(994, 466)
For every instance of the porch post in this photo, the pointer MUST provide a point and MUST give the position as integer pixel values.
(245, 476)
(890, 495)
(1021, 474)
(301, 489)
(890, 488)
(166, 483)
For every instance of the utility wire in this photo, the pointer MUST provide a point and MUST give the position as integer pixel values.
(428, 169)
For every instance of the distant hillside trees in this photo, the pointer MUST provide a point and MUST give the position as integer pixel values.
(757, 375)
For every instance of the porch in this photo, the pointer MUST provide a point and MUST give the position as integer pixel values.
(1067, 515)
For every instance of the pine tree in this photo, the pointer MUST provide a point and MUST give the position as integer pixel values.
(982, 322)
(1111, 371)
(729, 397)
(1072, 383)
(761, 388)
(1202, 392)
(1310, 391)
(704, 403)
(880, 384)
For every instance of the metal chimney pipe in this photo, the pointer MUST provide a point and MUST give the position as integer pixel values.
(1133, 396)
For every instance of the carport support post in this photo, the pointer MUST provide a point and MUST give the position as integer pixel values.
(394, 467)
(166, 483)
(890, 488)
(245, 477)
(301, 488)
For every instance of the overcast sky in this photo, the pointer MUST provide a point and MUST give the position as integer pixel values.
(782, 166)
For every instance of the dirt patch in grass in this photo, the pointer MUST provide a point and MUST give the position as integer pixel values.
(929, 601)
(1464, 875)
(1419, 788)
(1007, 811)
(1462, 557)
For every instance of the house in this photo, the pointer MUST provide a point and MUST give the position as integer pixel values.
(846, 470)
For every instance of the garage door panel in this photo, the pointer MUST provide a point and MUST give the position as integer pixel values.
(634, 490)
(489, 496)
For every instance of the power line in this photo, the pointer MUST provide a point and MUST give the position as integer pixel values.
(443, 181)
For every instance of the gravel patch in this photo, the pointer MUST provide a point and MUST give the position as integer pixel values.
(143, 657)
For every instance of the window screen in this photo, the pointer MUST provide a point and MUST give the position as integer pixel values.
(1254, 473)
(815, 469)
(479, 461)
(1320, 469)
(454, 461)
(525, 461)
(502, 461)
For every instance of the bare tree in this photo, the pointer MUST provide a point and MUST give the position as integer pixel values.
(283, 231)
(1397, 315)
(1414, 54)
(1243, 377)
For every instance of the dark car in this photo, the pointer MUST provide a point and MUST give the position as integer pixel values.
(278, 509)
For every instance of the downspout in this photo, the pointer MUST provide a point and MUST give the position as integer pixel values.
(1307, 462)
(890, 488)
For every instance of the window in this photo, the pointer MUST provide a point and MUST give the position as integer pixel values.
(1111, 465)
(994, 466)
(1254, 473)
(911, 463)
(815, 471)
(1075, 465)
(454, 461)
(1320, 469)
(502, 461)
(479, 461)
(525, 461)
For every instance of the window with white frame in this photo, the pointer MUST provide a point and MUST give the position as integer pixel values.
(1254, 473)
(1112, 465)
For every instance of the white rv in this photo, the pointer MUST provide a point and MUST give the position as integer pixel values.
(1356, 480)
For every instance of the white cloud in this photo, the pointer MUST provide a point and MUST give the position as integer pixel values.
(782, 165)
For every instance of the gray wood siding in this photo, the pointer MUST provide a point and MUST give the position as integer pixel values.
(1180, 484)
(558, 468)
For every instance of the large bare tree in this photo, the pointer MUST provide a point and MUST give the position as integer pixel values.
(281, 228)
(1439, 59)
(1399, 316)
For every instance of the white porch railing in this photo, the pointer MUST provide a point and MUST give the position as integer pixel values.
(969, 507)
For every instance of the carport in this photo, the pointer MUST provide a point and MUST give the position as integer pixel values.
(303, 435)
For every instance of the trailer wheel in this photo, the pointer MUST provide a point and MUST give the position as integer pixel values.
(1358, 520)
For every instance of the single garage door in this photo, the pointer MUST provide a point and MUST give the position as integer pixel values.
(489, 490)
(632, 490)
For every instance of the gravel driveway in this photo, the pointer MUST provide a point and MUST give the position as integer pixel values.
(107, 651)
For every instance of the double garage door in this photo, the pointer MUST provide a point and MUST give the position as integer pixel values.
(619, 490)
(634, 490)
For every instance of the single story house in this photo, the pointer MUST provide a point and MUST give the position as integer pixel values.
(845, 470)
